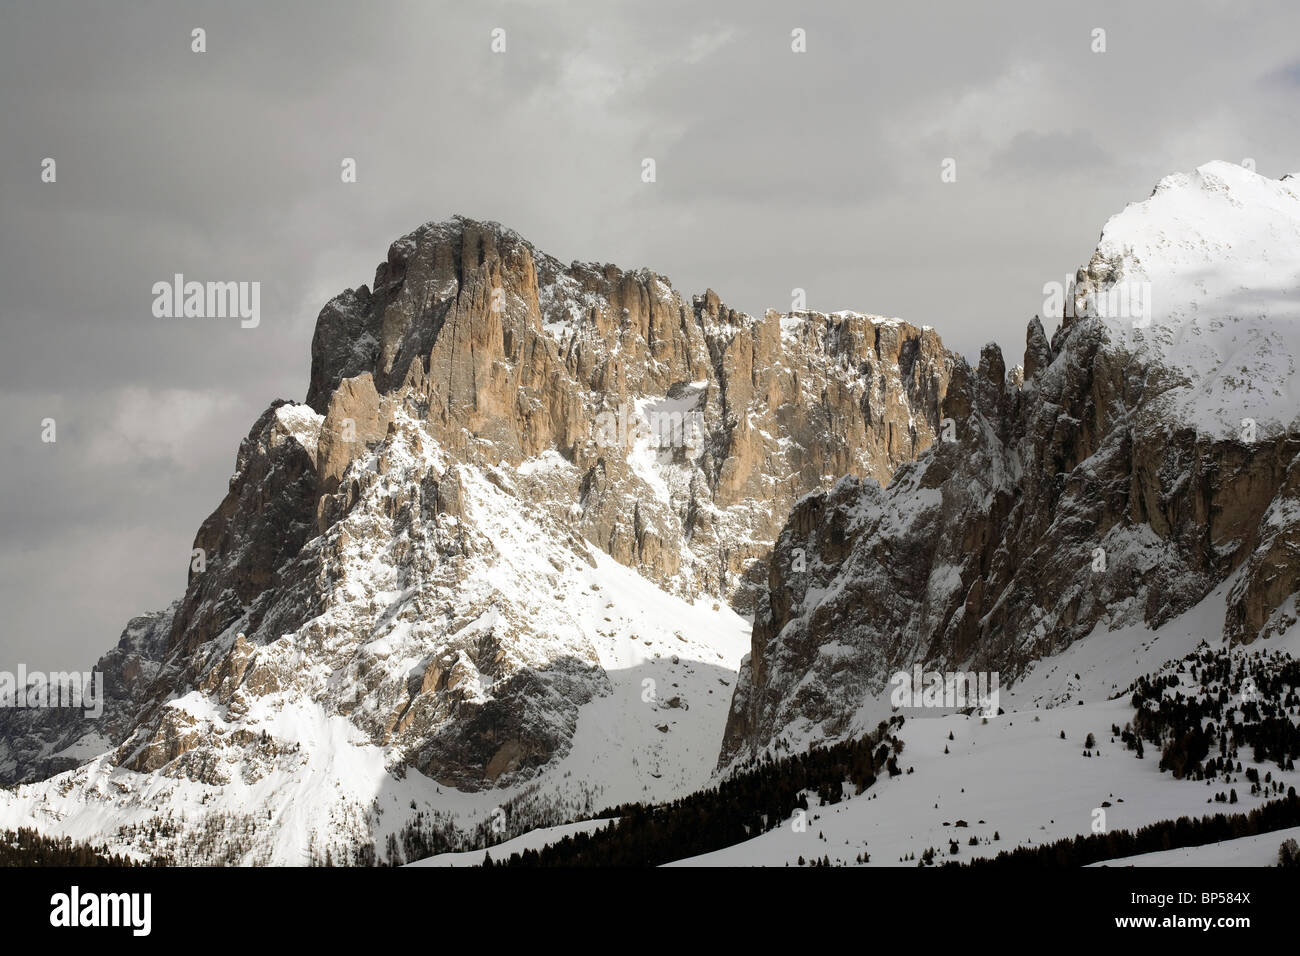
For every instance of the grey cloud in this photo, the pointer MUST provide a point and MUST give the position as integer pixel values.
(1055, 153)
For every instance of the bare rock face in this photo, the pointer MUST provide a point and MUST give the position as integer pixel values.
(399, 553)
(266, 517)
(1262, 602)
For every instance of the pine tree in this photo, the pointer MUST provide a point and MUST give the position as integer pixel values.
(1288, 855)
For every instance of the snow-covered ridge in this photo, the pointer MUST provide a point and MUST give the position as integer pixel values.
(1203, 278)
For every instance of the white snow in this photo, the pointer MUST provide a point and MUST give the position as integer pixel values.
(302, 423)
(1220, 250)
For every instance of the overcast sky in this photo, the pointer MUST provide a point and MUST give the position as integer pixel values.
(775, 170)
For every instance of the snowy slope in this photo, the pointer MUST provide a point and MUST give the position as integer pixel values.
(671, 664)
(1014, 775)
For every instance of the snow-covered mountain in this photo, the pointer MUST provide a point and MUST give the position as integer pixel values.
(1144, 457)
(490, 575)
(497, 572)
(1211, 264)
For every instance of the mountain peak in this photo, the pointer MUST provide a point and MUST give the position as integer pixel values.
(1203, 279)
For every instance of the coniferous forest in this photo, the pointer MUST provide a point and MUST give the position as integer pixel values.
(26, 847)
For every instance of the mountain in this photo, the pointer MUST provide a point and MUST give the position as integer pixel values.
(489, 575)
(500, 571)
(1143, 458)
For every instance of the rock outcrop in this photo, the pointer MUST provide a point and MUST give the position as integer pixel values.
(687, 429)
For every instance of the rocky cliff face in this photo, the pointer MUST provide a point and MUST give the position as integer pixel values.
(685, 429)
(1137, 462)
(421, 564)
